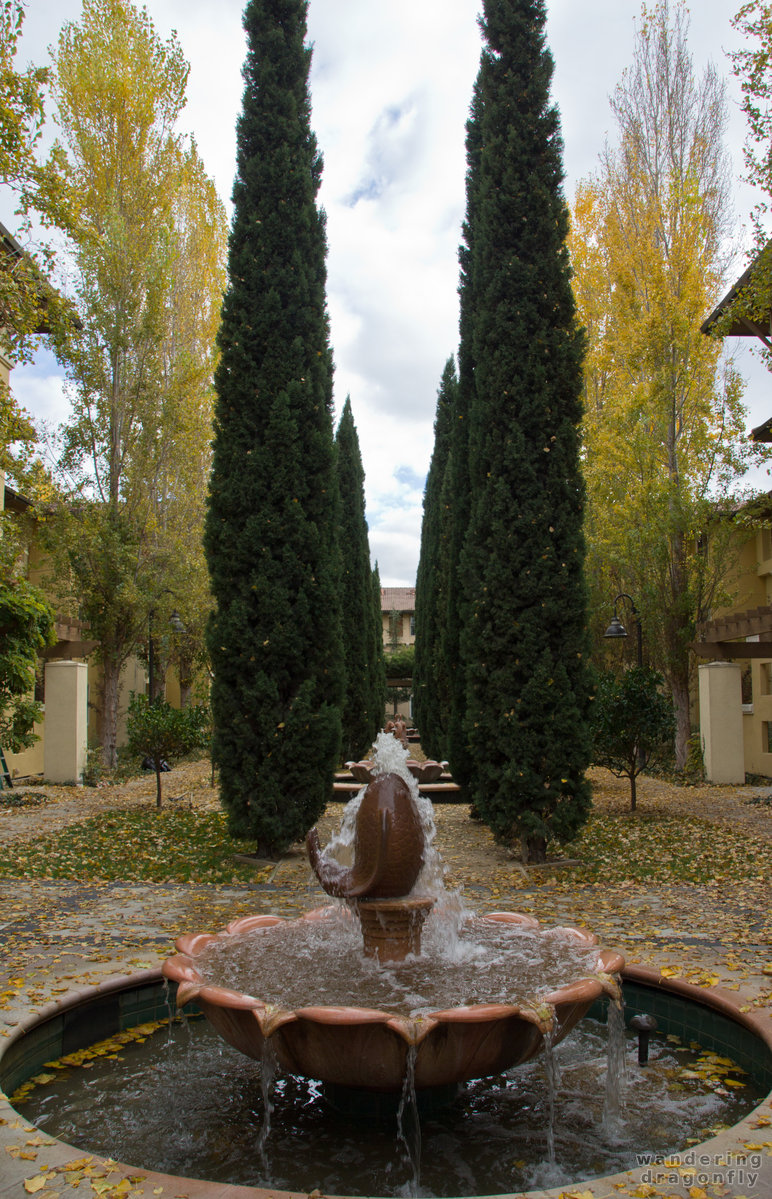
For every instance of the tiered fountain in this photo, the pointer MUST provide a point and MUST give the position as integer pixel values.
(396, 979)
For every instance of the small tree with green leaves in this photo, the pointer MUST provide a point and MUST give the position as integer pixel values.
(158, 733)
(633, 722)
(26, 627)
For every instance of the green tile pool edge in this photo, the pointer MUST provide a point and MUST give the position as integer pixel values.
(82, 1023)
(690, 1020)
(106, 1012)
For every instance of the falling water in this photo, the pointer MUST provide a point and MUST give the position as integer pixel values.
(409, 1124)
(199, 1112)
(269, 1068)
(552, 1072)
(615, 1068)
(305, 962)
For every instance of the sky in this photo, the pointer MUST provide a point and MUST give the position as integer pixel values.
(391, 85)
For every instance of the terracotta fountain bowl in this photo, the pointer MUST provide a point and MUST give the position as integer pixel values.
(361, 772)
(368, 1049)
(422, 772)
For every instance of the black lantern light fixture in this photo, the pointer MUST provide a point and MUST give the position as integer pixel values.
(617, 629)
(178, 626)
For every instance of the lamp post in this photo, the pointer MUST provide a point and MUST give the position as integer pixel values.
(617, 629)
(178, 626)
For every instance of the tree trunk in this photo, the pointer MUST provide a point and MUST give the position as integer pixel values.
(633, 791)
(533, 849)
(680, 690)
(108, 715)
(157, 785)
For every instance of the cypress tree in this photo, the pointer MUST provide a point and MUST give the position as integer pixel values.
(360, 722)
(457, 482)
(431, 676)
(523, 642)
(377, 660)
(271, 544)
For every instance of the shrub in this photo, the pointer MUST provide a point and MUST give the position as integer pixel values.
(159, 733)
(633, 723)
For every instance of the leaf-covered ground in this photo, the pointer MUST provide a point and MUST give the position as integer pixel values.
(683, 835)
(135, 845)
(143, 844)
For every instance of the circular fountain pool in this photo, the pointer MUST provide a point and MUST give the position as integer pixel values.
(183, 1102)
(502, 1137)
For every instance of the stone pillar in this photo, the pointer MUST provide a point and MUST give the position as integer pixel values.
(721, 722)
(66, 721)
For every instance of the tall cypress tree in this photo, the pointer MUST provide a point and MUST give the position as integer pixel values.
(523, 641)
(457, 482)
(360, 722)
(377, 660)
(431, 675)
(274, 638)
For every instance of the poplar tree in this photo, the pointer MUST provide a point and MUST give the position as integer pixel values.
(360, 721)
(271, 542)
(523, 637)
(146, 264)
(664, 428)
(431, 676)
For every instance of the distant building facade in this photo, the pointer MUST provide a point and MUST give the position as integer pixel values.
(398, 615)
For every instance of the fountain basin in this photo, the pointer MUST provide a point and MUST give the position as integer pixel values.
(370, 1049)
(422, 772)
(74, 1021)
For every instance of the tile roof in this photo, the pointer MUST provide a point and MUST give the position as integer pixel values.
(397, 599)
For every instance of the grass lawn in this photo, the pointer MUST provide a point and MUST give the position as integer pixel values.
(181, 845)
(135, 845)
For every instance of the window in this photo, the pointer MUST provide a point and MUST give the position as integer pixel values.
(766, 544)
(40, 683)
(765, 678)
(412, 624)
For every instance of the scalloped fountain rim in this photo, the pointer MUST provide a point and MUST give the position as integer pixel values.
(59, 1153)
(451, 1045)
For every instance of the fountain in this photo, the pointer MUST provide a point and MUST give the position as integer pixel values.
(485, 994)
(415, 1035)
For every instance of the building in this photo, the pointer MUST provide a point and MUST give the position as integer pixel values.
(734, 649)
(398, 615)
(735, 678)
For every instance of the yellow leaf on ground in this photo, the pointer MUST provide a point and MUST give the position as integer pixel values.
(33, 1185)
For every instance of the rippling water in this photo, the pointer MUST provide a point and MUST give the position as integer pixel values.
(186, 1103)
(301, 963)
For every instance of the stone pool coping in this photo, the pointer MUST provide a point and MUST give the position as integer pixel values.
(59, 1169)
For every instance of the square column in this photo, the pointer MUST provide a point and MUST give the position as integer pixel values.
(721, 722)
(66, 722)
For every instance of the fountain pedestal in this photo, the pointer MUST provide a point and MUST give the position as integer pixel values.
(391, 928)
